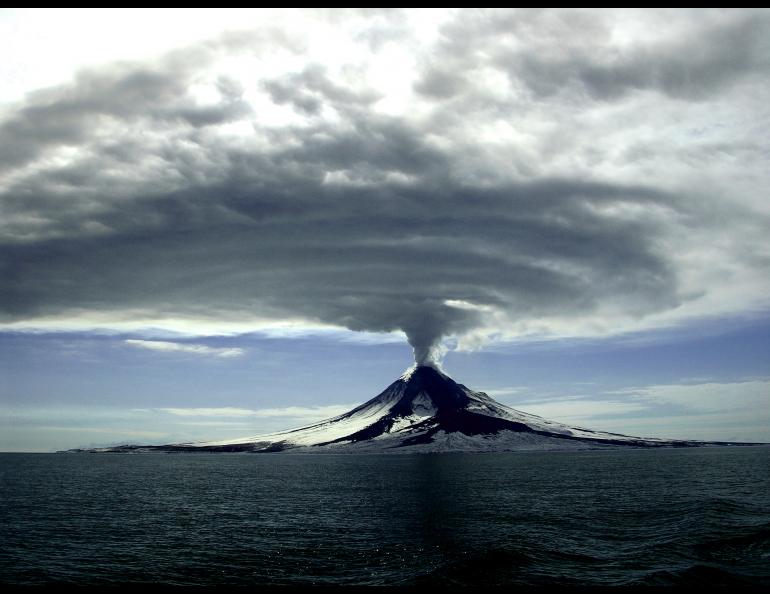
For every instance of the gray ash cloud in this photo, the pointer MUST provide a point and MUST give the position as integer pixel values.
(363, 220)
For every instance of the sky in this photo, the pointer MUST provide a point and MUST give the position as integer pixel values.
(217, 223)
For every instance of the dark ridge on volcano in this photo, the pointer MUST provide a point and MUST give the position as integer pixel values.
(446, 394)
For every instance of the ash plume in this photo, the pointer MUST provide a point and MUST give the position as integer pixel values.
(528, 198)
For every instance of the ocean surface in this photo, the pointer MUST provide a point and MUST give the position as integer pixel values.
(634, 517)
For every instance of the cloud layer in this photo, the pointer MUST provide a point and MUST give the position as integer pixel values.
(175, 347)
(699, 410)
(487, 174)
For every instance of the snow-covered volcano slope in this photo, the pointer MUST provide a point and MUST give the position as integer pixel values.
(425, 410)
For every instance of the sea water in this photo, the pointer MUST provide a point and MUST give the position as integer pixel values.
(619, 517)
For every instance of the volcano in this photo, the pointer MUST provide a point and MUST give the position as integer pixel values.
(426, 411)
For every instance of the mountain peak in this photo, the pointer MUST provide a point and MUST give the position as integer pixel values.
(422, 370)
(426, 410)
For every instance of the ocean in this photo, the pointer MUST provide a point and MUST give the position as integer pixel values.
(618, 517)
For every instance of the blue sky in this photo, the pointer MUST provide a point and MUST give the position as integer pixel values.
(63, 390)
(246, 220)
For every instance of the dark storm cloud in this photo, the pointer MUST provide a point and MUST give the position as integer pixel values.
(69, 115)
(308, 90)
(690, 68)
(361, 222)
(127, 93)
(275, 240)
(555, 51)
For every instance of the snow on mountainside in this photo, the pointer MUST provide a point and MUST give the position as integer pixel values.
(425, 411)
(420, 404)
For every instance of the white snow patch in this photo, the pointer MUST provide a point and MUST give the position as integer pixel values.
(483, 404)
(325, 431)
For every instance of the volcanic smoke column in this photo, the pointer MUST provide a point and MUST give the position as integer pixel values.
(432, 320)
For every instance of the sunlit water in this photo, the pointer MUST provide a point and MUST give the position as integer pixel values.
(699, 516)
